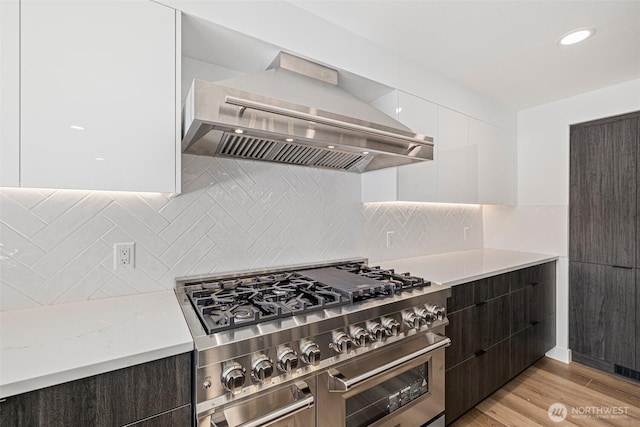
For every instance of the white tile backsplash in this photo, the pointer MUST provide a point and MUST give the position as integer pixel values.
(420, 229)
(57, 246)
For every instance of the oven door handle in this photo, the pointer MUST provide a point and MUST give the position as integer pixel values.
(339, 383)
(306, 402)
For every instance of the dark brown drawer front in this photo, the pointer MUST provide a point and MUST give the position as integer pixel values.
(532, 343)
(461, 297)
(479, 291)
(477, 328)
(111, 399)
(474, 379)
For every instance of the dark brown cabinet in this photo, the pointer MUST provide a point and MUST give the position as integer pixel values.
(156, 393)
(602, 311)
(469, 382)
(498, 327)
(482, 323)
(604, 242)
(602, 202)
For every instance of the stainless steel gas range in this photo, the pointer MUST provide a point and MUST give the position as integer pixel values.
(332, 344)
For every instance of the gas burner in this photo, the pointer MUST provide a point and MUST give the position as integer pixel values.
(400, 282)
(228, 304)
(243, 313)
(231, 303)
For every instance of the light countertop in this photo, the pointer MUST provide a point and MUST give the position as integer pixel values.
(454, 268)
(50, 345)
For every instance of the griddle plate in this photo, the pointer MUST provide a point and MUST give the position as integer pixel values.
(353, 286)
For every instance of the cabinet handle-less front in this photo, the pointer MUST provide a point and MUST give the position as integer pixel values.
(338, 382)
(285, 411)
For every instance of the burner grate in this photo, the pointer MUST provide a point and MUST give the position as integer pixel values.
(229, 304)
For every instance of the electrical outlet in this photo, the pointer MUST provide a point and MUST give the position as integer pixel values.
(389, 239)
(124, 256)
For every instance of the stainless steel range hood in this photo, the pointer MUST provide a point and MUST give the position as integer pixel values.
(296, 113)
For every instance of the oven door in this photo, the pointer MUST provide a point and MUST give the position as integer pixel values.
(291, 406)
(400, 385)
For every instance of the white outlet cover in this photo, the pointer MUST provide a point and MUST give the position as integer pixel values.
(124, 256)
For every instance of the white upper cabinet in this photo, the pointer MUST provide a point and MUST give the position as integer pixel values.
(453, 158)
(496, 163)
(419, 182)
(98, 103)
(9, 93)
(474, 162)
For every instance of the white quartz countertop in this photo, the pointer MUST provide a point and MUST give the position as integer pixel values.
(54, 344)
(454, 268)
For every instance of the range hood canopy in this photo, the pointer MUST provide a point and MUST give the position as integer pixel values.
(295, 113)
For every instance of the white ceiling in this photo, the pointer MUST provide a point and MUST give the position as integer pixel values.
(504, 50)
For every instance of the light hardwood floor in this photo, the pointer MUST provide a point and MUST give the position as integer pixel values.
(525, 400)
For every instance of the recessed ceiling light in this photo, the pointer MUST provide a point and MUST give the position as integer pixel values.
(576, 36)
(365, 152)
(331, 146)
(289, 139)
(238, 131)
(76, 127)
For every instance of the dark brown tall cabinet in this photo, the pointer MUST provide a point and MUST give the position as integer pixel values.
(604, 243)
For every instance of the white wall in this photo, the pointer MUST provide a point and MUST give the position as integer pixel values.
(540, 221)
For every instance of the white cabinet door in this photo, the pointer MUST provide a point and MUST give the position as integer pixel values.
(419, 182)
(9, 93)
(496, 160)
(474, 162)
(453, 157)
(98, 95)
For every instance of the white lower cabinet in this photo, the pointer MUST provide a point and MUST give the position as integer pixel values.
(98, 107)
(474, 162)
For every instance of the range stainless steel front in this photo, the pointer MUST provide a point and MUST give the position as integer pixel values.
(401, 385)
(295, 367)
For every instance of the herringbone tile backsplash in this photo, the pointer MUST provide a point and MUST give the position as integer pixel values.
(56, 246)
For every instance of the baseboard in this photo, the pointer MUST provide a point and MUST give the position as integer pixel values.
(559, 353)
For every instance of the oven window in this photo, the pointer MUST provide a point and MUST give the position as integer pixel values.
(376, 402)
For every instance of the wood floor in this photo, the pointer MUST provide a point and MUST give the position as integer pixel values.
(591, 398)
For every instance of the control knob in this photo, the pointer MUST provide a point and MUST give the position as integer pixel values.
(376, 331)
(424, 314)
(437, 312)
(233, 377)
(412, 319)
(391, 326)
(360, 336)
(310, 353)
(287, 360)
(342, 342)
(262, 368)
